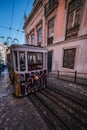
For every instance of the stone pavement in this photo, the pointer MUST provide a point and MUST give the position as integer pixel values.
(17, 113)
(75, 88)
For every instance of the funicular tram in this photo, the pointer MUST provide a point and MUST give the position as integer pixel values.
(27, 68)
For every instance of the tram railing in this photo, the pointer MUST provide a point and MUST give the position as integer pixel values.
(75, 76)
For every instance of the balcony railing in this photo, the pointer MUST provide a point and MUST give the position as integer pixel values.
(51, 5)
(77, 77)
(70, 33)
(50, 41)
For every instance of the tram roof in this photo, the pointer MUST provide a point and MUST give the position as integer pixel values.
(27, 47)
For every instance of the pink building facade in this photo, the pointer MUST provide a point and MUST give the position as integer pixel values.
(61, 26)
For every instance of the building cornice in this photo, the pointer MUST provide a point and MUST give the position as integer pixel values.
(34, 10)
(68, 41)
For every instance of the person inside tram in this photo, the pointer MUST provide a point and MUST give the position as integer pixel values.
(32, 61)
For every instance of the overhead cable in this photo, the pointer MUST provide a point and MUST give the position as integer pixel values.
(11, 28)
(11, 17)
(23, 16)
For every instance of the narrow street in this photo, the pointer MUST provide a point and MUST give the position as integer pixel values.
(60, 106)
(17, 113)
(43, 65)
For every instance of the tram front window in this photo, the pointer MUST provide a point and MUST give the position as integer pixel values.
(16, 60)
(35, 61)
(22, 61)
(39, 58)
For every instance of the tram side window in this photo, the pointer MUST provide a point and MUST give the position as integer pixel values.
(16, 60)
(31, 58)
(39, 58)
(22, 61)
(35, 61)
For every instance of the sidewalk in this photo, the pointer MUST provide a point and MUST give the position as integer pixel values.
(75, 88)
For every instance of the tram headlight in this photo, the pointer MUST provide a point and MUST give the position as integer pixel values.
(36, 77)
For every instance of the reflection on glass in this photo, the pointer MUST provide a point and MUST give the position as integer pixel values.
(22, 61)
(39, 58)
(35, 61)
(16, 60)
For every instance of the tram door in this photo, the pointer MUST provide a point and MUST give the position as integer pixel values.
(49, 61)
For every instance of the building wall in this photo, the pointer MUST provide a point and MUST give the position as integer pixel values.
(60, 22)
(83, 26)
(60, 43)
(33, 23)
(80, 57)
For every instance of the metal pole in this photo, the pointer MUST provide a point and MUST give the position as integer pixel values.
(75, 76)
(58, 74)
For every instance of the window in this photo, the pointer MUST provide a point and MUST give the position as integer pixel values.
(77, 16)
(16, 60)
(28, 41)
(69, 58)
(50, 6)
(39, 58)
(51, 27)
(50, 31)
(39, 36)
(32, 39)
(74, 17)
(70, 20)
(22, 61)
(35, 61)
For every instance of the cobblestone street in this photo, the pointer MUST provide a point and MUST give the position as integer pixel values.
(43, 65)
(17, 113)
(62, 105)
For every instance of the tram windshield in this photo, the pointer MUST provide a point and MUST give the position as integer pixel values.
(16, 60)
(22, 61)
(28, 68)
(35, 61)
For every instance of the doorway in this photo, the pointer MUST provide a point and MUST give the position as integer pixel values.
(49, 61)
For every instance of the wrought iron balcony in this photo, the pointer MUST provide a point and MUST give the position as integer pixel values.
(50, 41)
(70, 33)
(50, 6)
